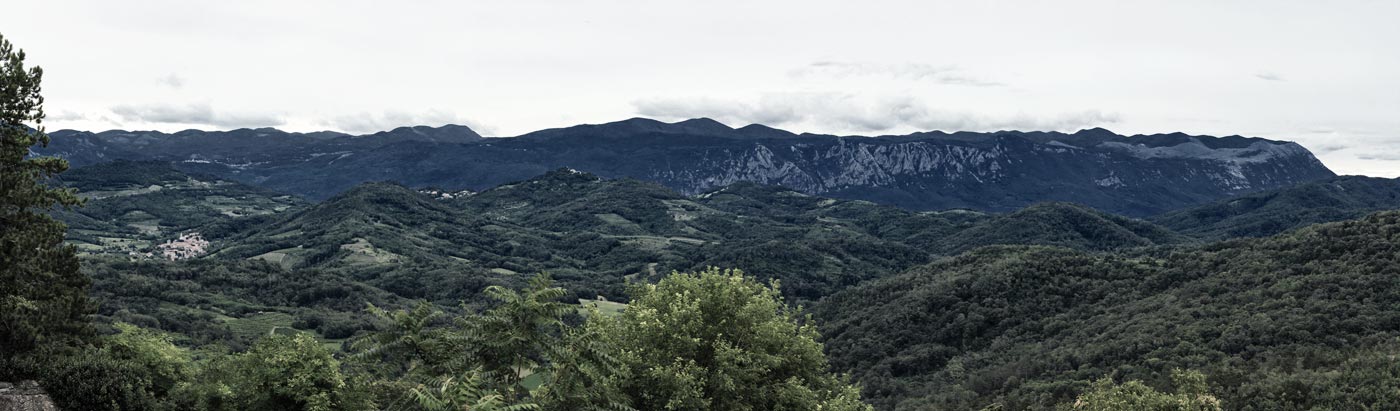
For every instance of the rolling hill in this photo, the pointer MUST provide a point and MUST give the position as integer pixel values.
(1276, 211)
(385, 243)
(134, 206)
(1284, 322)
(938, 309)
(1060, 224)
(591, 233)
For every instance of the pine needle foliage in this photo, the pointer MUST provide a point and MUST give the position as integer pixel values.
(43, 297)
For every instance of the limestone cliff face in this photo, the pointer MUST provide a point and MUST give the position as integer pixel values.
(1137, 175)
(1007, 174)
(824, 168)
(26, 396)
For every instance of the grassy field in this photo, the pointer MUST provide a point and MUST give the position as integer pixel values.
(258, 325)
(606, 308)
(656, 242)
(287, 257)
(363, 252)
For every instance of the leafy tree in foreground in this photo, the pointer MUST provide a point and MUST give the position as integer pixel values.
(406, 341)
(43, 297)
(517, 355)
(1104, 395)
(135, 369)
(280, 373)
(509, 338)
(469, 393)
(717, 340)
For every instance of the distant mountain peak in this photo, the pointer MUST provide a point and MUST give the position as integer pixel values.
(632, 121)
(638, 126)
(1096, 132)
(762, 131)
(704, 124)
(450, 133)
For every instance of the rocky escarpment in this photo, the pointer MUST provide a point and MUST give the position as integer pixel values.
(26, 396)
(1134, 175)
(1006, 172)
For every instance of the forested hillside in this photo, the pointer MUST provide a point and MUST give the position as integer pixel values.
(1276, 211)
(591, 233)
(955, 309)
(282, 264)
(1295, 321)
(1060, 224)
(133, 207)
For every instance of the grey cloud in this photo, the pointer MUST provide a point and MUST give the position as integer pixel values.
(66, 115)
(1382, 156)
(836, 112)
(195, 114)
(172, 80)
(1321, 148)
(908, 71)
(1326, 140)
(366, 123)
(1268, 75)
(1362, 150)
(66, 118)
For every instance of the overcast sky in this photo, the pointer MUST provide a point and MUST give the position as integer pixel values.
(1325, 74)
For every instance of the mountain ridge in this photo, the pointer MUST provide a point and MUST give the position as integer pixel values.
(703, 126)
(998, 171)
(697, 126)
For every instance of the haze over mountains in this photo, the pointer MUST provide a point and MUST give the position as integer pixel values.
(1000, 171)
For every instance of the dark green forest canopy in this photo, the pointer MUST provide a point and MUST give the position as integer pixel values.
(1029, 327)
(132, 206)
(283, 264)
(1272, 212)
(590, 233)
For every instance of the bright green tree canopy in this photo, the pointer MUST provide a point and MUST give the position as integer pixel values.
(717, 340)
